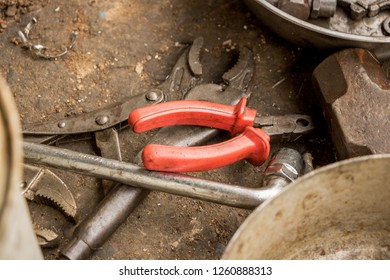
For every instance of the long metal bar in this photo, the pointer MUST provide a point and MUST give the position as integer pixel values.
(134, 175)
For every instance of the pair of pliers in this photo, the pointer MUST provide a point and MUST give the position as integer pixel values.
(249, 141)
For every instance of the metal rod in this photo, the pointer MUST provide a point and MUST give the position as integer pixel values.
(134, 175)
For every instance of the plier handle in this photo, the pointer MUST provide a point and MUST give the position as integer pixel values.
(248, 142)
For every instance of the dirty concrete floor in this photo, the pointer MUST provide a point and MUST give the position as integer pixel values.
(123, 48)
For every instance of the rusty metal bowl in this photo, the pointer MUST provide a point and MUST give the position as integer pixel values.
(339, 32)
(340, 211)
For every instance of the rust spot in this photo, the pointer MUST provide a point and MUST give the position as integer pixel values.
(309, 200)
(279, 215)
(240, 245)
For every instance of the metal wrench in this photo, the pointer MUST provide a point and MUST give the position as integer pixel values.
(134, 175)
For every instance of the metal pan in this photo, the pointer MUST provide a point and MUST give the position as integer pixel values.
(340, 211)
(320, 33)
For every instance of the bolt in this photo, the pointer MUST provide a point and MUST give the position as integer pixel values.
(154, 95)
(323, 8)
(101, 120)
(61, 124)
(297, 8)
(286, 163)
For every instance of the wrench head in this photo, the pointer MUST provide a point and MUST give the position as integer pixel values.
(43, 186)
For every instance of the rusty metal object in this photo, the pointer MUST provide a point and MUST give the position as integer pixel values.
(46, 237)
(297, 8)
(285, 166)
(340, 211)
(355, 97)
(43, 186)
(323, 8)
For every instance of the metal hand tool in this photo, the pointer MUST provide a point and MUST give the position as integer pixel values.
(252, 144)
(134, 175)
(184, 75)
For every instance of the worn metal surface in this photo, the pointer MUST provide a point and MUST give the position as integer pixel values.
(338, 32)
(134, 175)
(355, 97)
(43, 186)
(337, 212)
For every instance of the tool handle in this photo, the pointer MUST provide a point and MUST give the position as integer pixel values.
(252, 145)
(192, 112)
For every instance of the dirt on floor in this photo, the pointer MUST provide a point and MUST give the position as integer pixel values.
(122, 49)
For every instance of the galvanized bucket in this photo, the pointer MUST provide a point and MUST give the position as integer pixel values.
(17, 238)
(340, 211)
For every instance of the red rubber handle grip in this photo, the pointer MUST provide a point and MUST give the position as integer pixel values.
(191, 112)
(252, 145)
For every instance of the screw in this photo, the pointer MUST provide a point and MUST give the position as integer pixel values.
(101, 120)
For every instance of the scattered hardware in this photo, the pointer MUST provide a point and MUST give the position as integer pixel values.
(305, 9)
(40, 50)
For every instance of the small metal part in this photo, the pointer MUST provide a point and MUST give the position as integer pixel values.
(323, 8)
(107, 142)
(308, 162)
(287, 128)
(155, 95)
(386, 26)
(102, 120)
(239, 77)
(357, 12)
(61, 124)
(194, 57)
(286, 163)
(356, 9)
(47, 238)
(375, 8)
(41, 50)
(297, 8)
(43, 186)
(284, 167)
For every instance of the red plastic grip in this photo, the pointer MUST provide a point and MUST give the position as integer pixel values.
(192, 112)
(252, 145)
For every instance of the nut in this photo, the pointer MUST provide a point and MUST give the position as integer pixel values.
(297, 8)
(284, 170)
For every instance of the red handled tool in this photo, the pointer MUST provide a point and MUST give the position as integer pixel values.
(252, 144)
